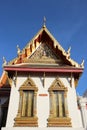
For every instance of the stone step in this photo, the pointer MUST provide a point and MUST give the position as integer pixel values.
(39, 128)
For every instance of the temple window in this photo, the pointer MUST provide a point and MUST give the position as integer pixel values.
(59, 106)
(28, 103)
(27, 111)
(59, 115)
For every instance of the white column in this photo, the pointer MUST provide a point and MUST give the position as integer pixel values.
(82, 103)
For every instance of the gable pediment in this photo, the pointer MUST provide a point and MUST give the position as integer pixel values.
(44, 48)
(44, 55)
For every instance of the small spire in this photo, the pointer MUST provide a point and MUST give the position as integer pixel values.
(44, 21)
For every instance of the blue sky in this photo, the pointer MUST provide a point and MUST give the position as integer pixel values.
(20, 20)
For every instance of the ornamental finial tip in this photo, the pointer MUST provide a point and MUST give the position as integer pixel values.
(44, 21)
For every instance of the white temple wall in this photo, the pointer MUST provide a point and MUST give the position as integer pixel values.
(43, 101)
(14, 101)
(80, 118)
(73, 108)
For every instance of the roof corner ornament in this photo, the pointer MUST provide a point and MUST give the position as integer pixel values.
(82, 64)
(18, 50)
(4, 61)
(68, 52)
(44, 22)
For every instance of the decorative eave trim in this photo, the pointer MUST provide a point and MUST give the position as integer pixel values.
(56, 70)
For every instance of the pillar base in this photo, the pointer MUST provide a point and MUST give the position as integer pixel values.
(59, 122)
(26, 122)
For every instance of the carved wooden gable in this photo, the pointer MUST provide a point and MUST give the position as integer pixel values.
(44, 54)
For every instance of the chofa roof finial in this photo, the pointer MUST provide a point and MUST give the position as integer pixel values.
(44, 21)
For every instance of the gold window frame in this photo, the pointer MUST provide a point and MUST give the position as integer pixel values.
(28, 121)
(58, 121)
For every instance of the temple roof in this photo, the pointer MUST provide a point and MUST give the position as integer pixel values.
(42, 54)
(44, 50)
(5, 86)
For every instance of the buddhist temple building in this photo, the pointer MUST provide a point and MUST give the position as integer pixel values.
(38, 87)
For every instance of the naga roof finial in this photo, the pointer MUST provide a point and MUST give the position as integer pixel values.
(18, 50)
(4, 61)
(82, 64)
(69, 49)
(68, 52)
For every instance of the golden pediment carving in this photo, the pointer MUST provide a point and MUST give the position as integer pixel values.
(28, 85)
(44, 54)
(57, 85)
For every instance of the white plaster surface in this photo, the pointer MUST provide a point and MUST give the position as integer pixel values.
(43, 101)
(83, 102)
